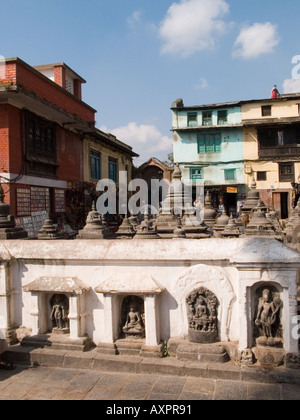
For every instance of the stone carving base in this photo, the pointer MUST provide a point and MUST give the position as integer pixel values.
(204, 353)
(131, 347)
(11, 336)
(60, 331)
(107, 348)
(203, 337)
(269, 342)
(58, 342)
(269, 357)
(292, 361)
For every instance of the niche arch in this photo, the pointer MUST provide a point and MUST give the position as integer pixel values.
(217, 282)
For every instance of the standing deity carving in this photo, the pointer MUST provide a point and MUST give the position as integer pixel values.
(59, 313)
(268, 319)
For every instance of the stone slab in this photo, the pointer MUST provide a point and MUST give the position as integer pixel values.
(58, 342)
(205, 353)
(48, 357)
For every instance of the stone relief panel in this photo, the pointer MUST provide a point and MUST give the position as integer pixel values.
(59, 305)
(202, 307)
(132, 325)
(268, 330)
(216, 281)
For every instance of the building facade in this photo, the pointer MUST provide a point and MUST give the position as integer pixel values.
(271, 139)
(44, 126)
(233, 146)
(208, 145)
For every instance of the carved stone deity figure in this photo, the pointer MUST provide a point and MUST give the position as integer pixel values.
(134, 325)
(202, 316)
(268, 319)
(59, 313)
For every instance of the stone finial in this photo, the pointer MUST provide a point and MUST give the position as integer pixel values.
(177, 174)
(209, 213)
(253, 184)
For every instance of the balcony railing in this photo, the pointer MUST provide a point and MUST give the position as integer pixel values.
(280, 151)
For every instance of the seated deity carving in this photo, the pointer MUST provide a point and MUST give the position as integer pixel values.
(134, 325)
(202, 316)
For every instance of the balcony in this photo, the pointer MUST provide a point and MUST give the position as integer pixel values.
(290, 151)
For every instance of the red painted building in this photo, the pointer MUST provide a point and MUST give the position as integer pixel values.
(43, 121)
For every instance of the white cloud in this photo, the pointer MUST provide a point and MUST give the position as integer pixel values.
(256, 40)
(291, 86)
(134, 18)
(203, 84)
(145, 139)
(192, 26)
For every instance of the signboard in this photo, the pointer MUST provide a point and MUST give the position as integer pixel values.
(59, 197)
(23, 202)
(32, 224)
(40, 199)
(232, 190)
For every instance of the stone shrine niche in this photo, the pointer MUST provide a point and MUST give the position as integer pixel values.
(132, 323)
(59, 306)
(268, 330)
(202, 307)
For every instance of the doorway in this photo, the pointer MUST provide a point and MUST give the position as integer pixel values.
(281, 204)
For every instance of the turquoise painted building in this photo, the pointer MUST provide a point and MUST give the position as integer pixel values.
(208, 145)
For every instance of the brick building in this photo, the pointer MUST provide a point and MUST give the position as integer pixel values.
(43, 127)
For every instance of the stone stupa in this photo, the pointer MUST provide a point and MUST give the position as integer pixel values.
(167, 220)
(259, 225)
(49, 231)
(8, 228)
(146, 230)
(126, 230)
(95, 227)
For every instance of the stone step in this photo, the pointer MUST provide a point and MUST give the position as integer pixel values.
(48, 357)
(57, 342)
(206, 353)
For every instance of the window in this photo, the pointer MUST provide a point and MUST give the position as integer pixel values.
(95, 164)
(261, 176)
(266, 111)
(230, 174)
(207, 118)
(222, 118)
(209, 143)
(113, 169)
(196, 173)
(40, 134)
(192, 118)
(286, 172)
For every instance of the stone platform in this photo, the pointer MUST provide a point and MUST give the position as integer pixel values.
(170, 366)
(58, 342)
(125, 347)
(207, 353)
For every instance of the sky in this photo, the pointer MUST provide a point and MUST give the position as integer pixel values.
(139, 56)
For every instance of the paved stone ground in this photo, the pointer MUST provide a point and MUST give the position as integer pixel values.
(50, 383)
